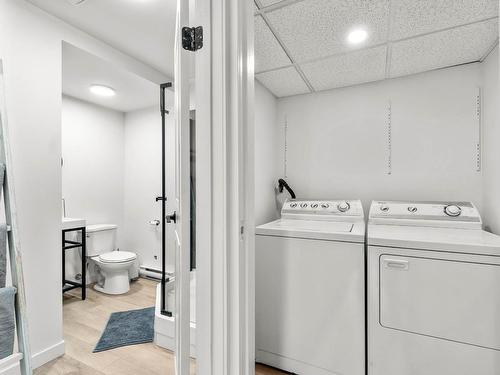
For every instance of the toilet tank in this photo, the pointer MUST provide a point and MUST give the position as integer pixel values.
(101, 238)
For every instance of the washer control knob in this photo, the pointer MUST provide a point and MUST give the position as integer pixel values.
(343, 206)
(412, 209)
(452, 210)
(325, 205)
(314, 205)
(303, 205)
(293, 205)
(384, 208)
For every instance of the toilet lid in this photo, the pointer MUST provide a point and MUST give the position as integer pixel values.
(117, 257)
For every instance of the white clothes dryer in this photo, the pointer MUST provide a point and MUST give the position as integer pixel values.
(433, 290)
(310, 298)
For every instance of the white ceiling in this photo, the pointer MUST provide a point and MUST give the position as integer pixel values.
(81, 69)
(305, 40)
(143, 29)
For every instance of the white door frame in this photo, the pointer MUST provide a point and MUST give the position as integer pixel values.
(225, 188)
(182, 195)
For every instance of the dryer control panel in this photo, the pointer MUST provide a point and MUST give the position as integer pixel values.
(322, 209)
(436, 214)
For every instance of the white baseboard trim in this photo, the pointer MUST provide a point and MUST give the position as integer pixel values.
(289, 364)
(10, 365)
(47, 355)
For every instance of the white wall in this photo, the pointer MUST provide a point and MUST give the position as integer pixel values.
(337, 140)
(31, 50)
(267, 143)
(93, 170)
(93, 152)
(491, 141)
(143, 185)
(112, 174)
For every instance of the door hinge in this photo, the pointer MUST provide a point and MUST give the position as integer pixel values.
(192, 38)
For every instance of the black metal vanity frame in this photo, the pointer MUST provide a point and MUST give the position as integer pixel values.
(68, 285)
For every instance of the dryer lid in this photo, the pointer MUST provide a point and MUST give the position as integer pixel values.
(468, 241)
(117, 257)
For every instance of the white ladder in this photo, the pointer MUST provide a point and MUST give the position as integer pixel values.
(16, 264)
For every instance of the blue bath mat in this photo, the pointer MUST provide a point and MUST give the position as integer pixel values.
(127, 328)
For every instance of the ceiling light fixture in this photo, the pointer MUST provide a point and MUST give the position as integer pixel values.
(357, 36)
(101, 90)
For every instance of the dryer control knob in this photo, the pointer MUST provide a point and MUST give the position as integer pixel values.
(343, 206)
(325, 205)
(303, 205)
(314, 205)
(452, 210)
(412, 209)
(384, 208)
(293, 205)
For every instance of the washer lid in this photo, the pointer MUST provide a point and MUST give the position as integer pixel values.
(117, 257)
(310, 229)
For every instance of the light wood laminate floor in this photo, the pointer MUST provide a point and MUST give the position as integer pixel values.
(84, 321)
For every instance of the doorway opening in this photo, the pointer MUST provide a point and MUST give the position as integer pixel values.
(111, 179)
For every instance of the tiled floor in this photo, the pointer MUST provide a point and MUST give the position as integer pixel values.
(84, 322)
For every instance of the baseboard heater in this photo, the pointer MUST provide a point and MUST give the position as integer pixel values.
(150, 273)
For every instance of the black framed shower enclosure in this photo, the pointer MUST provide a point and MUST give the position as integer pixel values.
(164, 112)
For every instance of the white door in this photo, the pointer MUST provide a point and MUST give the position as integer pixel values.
(182, 195)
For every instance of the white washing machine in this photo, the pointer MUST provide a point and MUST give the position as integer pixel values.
(310, 299)
(433, 290)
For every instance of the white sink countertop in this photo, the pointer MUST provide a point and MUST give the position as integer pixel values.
(71, 223)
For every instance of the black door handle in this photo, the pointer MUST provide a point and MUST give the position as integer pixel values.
(172, 218)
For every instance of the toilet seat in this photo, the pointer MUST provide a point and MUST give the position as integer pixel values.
(117, 257)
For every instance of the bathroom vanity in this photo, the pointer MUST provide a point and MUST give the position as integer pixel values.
(74, 225)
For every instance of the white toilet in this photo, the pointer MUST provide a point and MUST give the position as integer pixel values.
(114, 266)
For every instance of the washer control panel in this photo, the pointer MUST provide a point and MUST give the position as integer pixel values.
(416, 213)
(322, 209)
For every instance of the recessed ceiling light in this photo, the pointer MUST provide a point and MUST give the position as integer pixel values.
(357, 36)
(102, 90)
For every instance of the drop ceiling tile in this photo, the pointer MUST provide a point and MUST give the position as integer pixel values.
(446, 48)
(413, 17)
(349, 69)
(283, 82)
(268, 52)
(312, 29)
